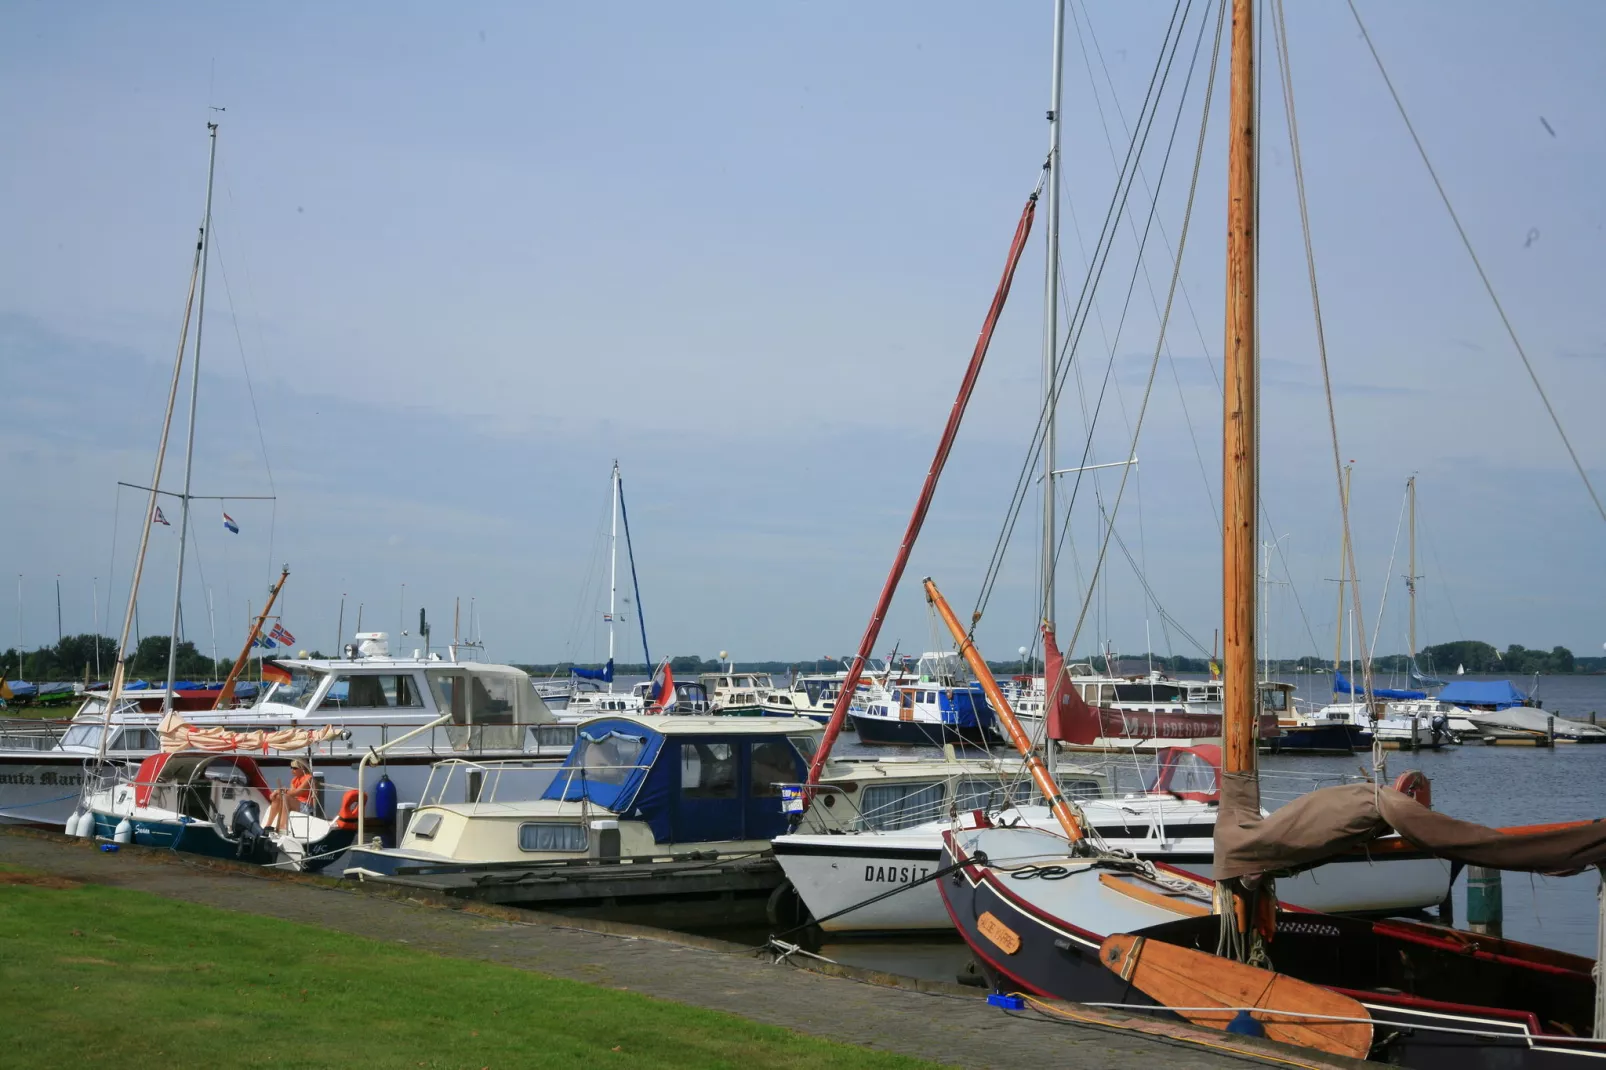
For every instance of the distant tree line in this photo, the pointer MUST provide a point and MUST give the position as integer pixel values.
(74, 658)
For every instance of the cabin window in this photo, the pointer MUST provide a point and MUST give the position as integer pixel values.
(977, 794)
(806, 746)
(609, 759)
(494, 699)
(1081, 789)
(424, 826)
(900, 806)
(773, 764)
(1189, 772)
(1275, 699)
(1147, 693)
(298, 692)
(451, 696)
(388, 691)
(134, 739)
(553, 735)
(707, 770)
(548, 836)
(82, 735)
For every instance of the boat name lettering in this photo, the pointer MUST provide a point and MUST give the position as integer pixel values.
(1308, 928)
(49, 776)
(896, 874)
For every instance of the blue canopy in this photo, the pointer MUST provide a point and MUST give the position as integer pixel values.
(1497, 693)
(607, 764)
(1340, 684)
(605, 674)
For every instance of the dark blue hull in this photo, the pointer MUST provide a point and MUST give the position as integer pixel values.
(889, 730)
(1333, 737)
(202, 838)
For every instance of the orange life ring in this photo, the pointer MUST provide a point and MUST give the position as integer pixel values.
(350, 807)
(1415, 783)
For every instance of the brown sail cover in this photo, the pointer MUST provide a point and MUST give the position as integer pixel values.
(1331, 821)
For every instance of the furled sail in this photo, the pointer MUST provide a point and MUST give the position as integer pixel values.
(604, 674)
(179, 735)
(1341, 685)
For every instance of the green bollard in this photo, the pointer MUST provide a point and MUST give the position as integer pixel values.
(1484, 907)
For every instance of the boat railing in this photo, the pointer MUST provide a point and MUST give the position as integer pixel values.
(26, 733)
(483, 781)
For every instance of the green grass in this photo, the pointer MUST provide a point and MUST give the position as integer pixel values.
(102, 976)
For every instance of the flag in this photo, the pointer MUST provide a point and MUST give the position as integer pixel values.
(664, 698)
(275, 672)
(158, 518)
(278, 632)
(264, 642)
(607, 616)
(228, 522)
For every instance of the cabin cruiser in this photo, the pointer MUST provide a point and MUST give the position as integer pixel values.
(631, 788)
(1306, 733)
(216, 805)
(815, 694)
(941, 704)
(737, 694)
(690, 697)
(411, 710)
(1160, 809)
(1500, 713)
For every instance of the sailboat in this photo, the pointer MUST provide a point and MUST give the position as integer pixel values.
(586, 698)
(1110, 929)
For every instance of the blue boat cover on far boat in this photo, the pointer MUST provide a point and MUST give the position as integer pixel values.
(605, 674)
(1497, 693)
(1341, 685)
(23, 689)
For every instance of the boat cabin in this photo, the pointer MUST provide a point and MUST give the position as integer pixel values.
(631, 787)
(194, 784)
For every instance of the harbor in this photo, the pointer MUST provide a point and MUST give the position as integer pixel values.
(745, 622)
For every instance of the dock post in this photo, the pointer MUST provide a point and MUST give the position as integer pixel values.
(1591, 716)
(1416, 729)
(1550, 729)
(1484, 907)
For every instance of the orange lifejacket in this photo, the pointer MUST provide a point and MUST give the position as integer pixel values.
(301, 787)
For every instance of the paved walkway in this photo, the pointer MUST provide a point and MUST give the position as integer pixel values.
(941, 1023)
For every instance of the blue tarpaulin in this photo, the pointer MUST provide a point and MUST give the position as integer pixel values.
(605, 674)
(1497, 693)
(1342, 685)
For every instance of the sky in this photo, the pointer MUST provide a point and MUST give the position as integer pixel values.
(463, 258)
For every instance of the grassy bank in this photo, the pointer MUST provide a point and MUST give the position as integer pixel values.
(95, 976)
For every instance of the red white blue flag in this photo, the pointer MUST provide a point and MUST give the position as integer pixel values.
(228, 522)
(158, 518)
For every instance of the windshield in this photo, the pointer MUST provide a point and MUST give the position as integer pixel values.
(82, 735)
(298, 692)
(608, 759)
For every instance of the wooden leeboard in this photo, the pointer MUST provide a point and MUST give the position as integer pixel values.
(1184, 978)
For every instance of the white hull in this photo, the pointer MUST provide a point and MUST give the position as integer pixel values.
(835, 873)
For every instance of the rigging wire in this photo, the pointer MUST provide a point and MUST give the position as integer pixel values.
(1388, 575)
(1483, 276)
(1176, 273)
(1090, 281)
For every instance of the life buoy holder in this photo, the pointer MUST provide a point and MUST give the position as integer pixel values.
(350, 808)
(1416, 784)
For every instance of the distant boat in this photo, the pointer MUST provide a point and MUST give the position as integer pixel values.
(1460, 670)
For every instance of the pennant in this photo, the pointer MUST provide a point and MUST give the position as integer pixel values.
(158, 518)
(228, 522)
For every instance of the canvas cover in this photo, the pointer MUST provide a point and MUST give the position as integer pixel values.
(1341, 685)
(604, 674)
(178, 735)
(1496, 693)
(1331, 821)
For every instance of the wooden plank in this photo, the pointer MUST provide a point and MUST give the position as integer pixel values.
(1186, 979)
(1006, 939)
(1176, 904)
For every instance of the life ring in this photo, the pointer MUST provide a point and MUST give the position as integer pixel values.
(350, 808)
(1415, 783)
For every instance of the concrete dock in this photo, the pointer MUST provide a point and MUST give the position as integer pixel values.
(942, 1023)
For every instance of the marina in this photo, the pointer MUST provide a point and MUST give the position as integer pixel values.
(1117, 772)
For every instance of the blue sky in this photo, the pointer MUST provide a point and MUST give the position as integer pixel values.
(469, 256)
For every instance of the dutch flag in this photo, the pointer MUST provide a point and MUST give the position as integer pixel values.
(228, 522)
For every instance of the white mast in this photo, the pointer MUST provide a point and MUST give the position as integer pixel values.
(1051, 347)
(613, 565)
(189, 449)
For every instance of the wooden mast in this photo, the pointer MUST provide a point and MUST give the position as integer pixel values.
(1241, 420)
(226, 694)
(1411, 577)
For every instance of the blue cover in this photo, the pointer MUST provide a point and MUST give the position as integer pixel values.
(1343, 686)
(23, 689)
(1497, 693)
(618, 791)
(605, 674)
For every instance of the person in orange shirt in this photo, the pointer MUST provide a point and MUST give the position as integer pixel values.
(301, 785)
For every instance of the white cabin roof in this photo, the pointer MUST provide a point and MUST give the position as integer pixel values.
(734, 726)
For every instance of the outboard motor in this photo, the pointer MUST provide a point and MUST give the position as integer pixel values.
(1440, 725)
(246, 828)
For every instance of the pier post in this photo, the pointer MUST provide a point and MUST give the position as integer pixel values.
(1550, 729)
(1416, 729)
(1484, 907)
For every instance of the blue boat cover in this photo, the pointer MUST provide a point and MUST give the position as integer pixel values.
(1497, 693)
(1342, 685)
(605, 674)
(607, 765)
(23, 689)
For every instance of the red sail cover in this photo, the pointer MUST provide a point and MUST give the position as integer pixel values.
(1072, 720)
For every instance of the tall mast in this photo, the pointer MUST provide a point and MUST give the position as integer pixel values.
(1239, 491)
(1343, 577)
(613, 565)
(1411, 578)
(189, 448)
(1051, 345)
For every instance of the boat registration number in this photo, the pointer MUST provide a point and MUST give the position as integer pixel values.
(1007, 939)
